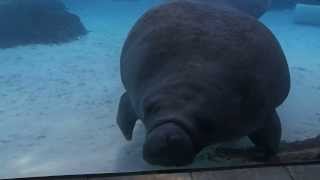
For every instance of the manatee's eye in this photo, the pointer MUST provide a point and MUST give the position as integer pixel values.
(151, 107)
(148, 108)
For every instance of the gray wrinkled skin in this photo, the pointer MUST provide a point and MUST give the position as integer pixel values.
(254, 8)
(197, 75)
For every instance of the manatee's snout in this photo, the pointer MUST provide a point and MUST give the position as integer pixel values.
(168, 145)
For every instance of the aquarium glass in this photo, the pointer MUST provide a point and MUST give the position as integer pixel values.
(60, 87)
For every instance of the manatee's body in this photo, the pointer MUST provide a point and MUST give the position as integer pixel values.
(198, 74)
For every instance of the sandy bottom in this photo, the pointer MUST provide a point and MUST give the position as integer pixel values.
(58, 103)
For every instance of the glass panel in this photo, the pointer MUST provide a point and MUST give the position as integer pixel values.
(60, 84)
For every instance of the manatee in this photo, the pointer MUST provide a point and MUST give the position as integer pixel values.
(254, 8)
(200, 73)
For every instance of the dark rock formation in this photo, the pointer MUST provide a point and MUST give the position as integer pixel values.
(314, 2)
(307, 150)
(283, 4)
(290, 4)
(37, 22)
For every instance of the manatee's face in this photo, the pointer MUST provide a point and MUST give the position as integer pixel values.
(168, 145)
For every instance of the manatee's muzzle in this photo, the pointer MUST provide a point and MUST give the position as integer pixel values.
(169, 145)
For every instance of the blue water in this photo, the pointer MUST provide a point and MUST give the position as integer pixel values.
(58, 102)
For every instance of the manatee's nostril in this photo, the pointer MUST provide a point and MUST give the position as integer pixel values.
(168, 145)
(173, 140)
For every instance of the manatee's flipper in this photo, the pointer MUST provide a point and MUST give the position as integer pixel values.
(268, 137)
(126, 117)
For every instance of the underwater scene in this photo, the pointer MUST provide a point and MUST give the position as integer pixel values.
(115, 86)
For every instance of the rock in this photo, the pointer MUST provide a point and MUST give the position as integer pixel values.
(311, 2)
(298, 151)
(307, 14)
(25, 22)
(283, 4)
(290, 4)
